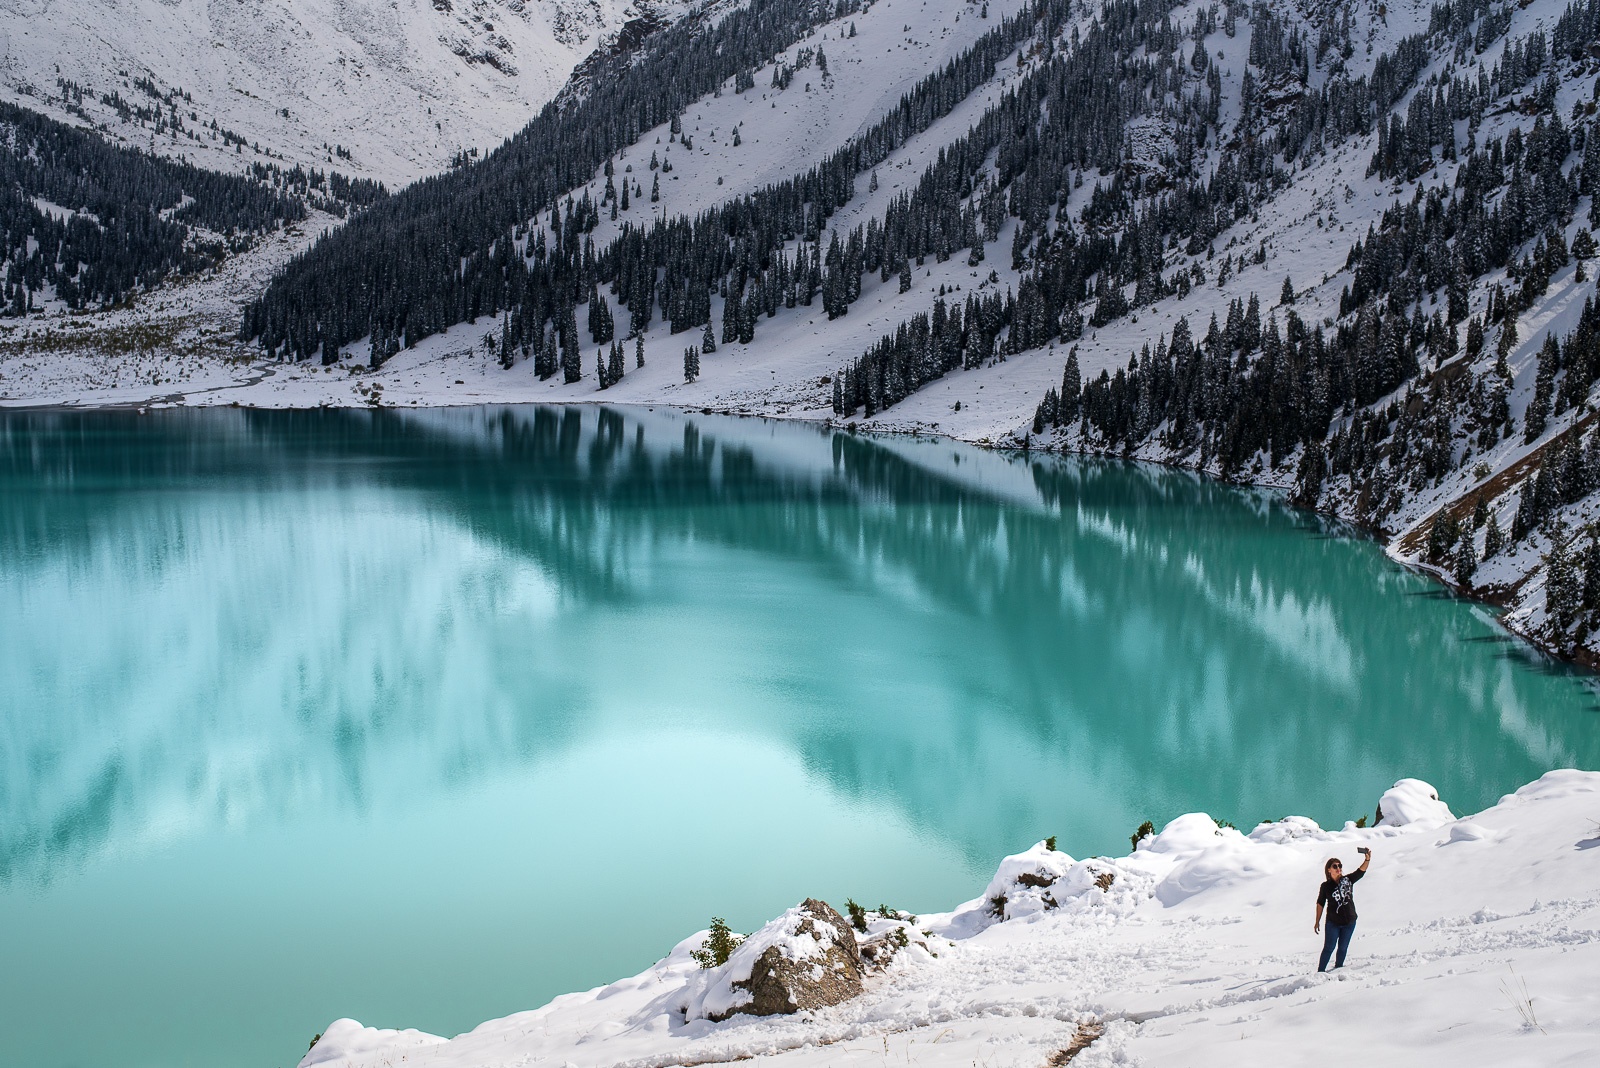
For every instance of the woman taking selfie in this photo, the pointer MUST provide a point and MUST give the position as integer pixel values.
(1338, 894)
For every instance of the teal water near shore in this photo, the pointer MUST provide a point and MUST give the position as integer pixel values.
(425, 717)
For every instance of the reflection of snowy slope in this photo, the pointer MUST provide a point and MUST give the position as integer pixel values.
(350, 610)
(209, 705)
(402, 86)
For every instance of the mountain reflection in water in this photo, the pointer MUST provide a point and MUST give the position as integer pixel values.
(239, 629)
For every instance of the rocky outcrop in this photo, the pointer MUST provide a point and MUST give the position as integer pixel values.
(881, 948)
(783, 982)
(805, 959)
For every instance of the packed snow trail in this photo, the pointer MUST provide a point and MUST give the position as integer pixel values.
(1477, 944)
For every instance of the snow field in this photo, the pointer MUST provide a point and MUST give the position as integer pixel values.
(402, 84)
(785, 132)
(1476, 945)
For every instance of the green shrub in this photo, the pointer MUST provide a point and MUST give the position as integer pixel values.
(1144, 828)
(1050, 843)
(718, 946)
(858, 915)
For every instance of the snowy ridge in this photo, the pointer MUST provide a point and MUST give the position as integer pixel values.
(1475, 938)
(399, 87)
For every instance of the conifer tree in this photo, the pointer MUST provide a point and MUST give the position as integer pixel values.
(1591, 573)
(1562, 583)
(1493, 540)
(1441, 536)
(547, 361)
(1071, 387)
(1538, 414)
(730, 317)
(1466, 561)
(571, 362)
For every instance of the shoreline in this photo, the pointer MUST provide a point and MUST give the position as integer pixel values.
(1493, 597)
(1171, 954)
(1183, 931)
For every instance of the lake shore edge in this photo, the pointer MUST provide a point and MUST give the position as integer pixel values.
(1400, 543)
(1171, 954)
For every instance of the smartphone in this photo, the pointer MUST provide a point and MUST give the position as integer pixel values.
(1362, 849)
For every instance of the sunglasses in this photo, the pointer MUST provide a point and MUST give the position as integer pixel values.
(1338, 867)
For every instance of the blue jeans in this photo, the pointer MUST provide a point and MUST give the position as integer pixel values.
(1335, 934)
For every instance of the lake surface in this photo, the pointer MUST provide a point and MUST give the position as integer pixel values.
(425, 717)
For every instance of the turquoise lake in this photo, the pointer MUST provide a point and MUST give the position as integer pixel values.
(425, 717)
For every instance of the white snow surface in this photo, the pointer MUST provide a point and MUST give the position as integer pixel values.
(1412, 802)
(1478, 943)
(401, 84)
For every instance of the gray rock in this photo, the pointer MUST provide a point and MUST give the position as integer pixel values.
(780, 985)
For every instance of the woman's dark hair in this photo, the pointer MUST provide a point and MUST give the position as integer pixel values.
(1330, 862)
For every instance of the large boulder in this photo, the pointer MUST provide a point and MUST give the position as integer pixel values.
(805, 959)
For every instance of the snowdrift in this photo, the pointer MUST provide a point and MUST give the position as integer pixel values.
(1477, 944)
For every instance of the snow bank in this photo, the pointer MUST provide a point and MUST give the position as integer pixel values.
(1024, 883)
(1198, 939)
(1205, 856)
(1412, 801)
(345, 1040)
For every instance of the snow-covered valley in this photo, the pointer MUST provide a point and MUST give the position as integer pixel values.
(794, 115)
(390, 91)
(1477, 943)
(1463, 435)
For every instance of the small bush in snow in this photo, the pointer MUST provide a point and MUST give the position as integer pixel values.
(858, 915)
(1145, 828)
(719, 945)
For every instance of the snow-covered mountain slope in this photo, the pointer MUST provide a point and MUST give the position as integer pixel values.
(384, 89)
(1476, 943)
(785, 131)
(1366, 110)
